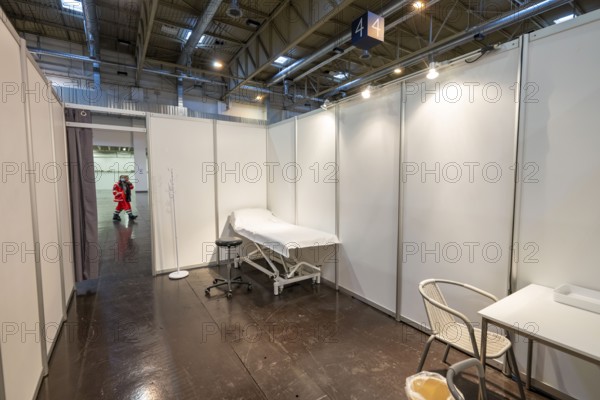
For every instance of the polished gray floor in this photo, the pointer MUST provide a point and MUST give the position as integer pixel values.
(134, 336)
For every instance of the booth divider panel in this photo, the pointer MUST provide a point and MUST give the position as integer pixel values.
(19, 316)
(46, 175)
(559, 215)
(242, 173)
(281, 190)
(316, 182)
(458, 177)
(368, 193)
(184, 145)
(60, 144)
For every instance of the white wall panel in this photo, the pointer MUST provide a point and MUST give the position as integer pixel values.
(241, 158)
(369, 144)
(186, 146)
(60, 152)
(281, 182)
(559, 214)
(21, 350)
(458, 180)
(47, 175)
(316, 159)
(315, 187)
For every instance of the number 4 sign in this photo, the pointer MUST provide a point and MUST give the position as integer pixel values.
(368, 31)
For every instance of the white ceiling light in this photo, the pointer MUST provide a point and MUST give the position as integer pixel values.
(565, 18)
(398, 70)
(200, 42)
(340, 75)
(366, 93)
(217, 64)
(282, 60)
(72, 5)
(432, 74)
(418, 5)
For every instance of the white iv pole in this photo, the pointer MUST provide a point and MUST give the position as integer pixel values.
(177, 274)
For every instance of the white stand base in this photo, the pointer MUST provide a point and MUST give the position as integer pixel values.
(178, 274)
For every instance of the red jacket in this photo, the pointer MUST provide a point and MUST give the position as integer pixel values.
(120, 190)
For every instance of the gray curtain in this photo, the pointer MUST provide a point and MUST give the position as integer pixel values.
(83, 197)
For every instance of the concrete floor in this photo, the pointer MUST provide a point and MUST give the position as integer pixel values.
(139, 337)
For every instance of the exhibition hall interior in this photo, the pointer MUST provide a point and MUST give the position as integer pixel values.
(300, 199)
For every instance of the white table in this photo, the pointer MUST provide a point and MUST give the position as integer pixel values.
(532, 312)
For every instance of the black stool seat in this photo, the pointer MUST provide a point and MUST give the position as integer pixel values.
(231, 241)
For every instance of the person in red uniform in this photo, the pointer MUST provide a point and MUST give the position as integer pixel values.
(122, 196)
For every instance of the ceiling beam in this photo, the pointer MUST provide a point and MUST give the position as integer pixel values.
(309, 19)
(147, 17)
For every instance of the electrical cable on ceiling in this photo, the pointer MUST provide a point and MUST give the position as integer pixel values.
(484, 51)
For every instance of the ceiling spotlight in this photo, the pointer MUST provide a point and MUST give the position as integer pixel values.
(418, 5)
(338, 50)
(325, 104)
(234, 9)
(398, 70)
(366, 93)
(217, 64)
(365, 55)
(259, 97)
(432, 74)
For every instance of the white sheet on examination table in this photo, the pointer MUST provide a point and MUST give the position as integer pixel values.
(262, 227)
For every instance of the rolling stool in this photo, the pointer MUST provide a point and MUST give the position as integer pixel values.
(230, 243)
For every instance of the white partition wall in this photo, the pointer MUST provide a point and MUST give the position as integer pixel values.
(315, 141)
(19, 313)
(458, 179)
(64, 211)
(242, 176)
(559, 213)
(368, 195)
(48, 175)
(281, 170)
(185, 146)
(316, 182)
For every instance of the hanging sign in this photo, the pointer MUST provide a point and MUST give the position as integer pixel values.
(368, 31)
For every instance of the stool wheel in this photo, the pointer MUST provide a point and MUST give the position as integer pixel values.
(207, 292)
(229, 295)
(249, 288)
(214, 281)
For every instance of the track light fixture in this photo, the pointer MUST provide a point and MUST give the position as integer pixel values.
(366, 93)
(432, 74)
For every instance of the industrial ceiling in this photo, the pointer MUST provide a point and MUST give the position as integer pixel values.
(293, 54)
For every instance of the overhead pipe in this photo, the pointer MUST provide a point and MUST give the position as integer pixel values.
(185, 58)
(77, 57)
(346, 36)
(451, 42)
(92, 36)
(388, 26)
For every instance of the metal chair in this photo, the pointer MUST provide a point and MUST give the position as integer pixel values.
(229, 243)
(453, 328)
(456, 369)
